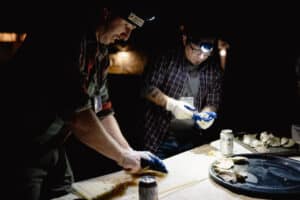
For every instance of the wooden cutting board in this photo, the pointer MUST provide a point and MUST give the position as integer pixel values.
(185, 169)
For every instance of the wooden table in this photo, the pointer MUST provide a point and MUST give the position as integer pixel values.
(188, 178)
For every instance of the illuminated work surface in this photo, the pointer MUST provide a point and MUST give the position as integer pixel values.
(188, 178)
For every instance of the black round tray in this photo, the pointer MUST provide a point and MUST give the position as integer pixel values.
(268, 177)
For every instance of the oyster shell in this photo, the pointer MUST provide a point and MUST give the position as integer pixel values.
(290, 143)
(224, 163)
(248, 138)
(225, 169)
(240, 160)
(283, 141)
(273, 141)
(256, 143)
(264, 136)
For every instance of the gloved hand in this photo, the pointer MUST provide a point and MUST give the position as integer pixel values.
(133, 161)
(180, 109)
(153, 162)
(204, 120)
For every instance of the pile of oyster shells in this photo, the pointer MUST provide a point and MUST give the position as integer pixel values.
(267, 140)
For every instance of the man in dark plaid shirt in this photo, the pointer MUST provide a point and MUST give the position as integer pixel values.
(179, 84)
(64, 91)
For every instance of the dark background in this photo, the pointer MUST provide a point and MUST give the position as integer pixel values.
(260, 79)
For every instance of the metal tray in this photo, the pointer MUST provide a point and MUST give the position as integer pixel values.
(268, 177)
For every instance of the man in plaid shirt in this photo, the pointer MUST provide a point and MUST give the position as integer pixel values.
(183, 89)
(62, 88)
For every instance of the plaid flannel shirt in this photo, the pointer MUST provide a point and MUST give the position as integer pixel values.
(169, 74)
(94, 63)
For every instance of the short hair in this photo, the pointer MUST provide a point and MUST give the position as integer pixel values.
(196, 33)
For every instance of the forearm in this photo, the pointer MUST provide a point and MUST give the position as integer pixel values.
(156, 96)
(112, 127)
(88, 129)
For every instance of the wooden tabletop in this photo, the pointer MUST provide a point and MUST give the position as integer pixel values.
(188, 178)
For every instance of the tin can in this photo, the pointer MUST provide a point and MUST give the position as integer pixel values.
(148, 188)
(226, 142)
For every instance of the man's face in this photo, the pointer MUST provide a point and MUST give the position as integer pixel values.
(117, 29)
(197, 54)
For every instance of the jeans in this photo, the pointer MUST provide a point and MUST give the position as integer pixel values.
(183, 136)
(171, 146)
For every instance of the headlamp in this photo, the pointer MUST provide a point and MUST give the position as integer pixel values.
(206, 47)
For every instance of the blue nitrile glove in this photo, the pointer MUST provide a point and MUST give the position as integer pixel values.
(205, 116)
(204, 120)
(180, 109)
(153, 162)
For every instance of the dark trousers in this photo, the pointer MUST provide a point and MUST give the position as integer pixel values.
(171, 146)
(183, 136)
(41, 176)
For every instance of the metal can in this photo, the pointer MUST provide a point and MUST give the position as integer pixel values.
(148, 188)
(226, 142)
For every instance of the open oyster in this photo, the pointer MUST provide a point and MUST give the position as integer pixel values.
(225, 169)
